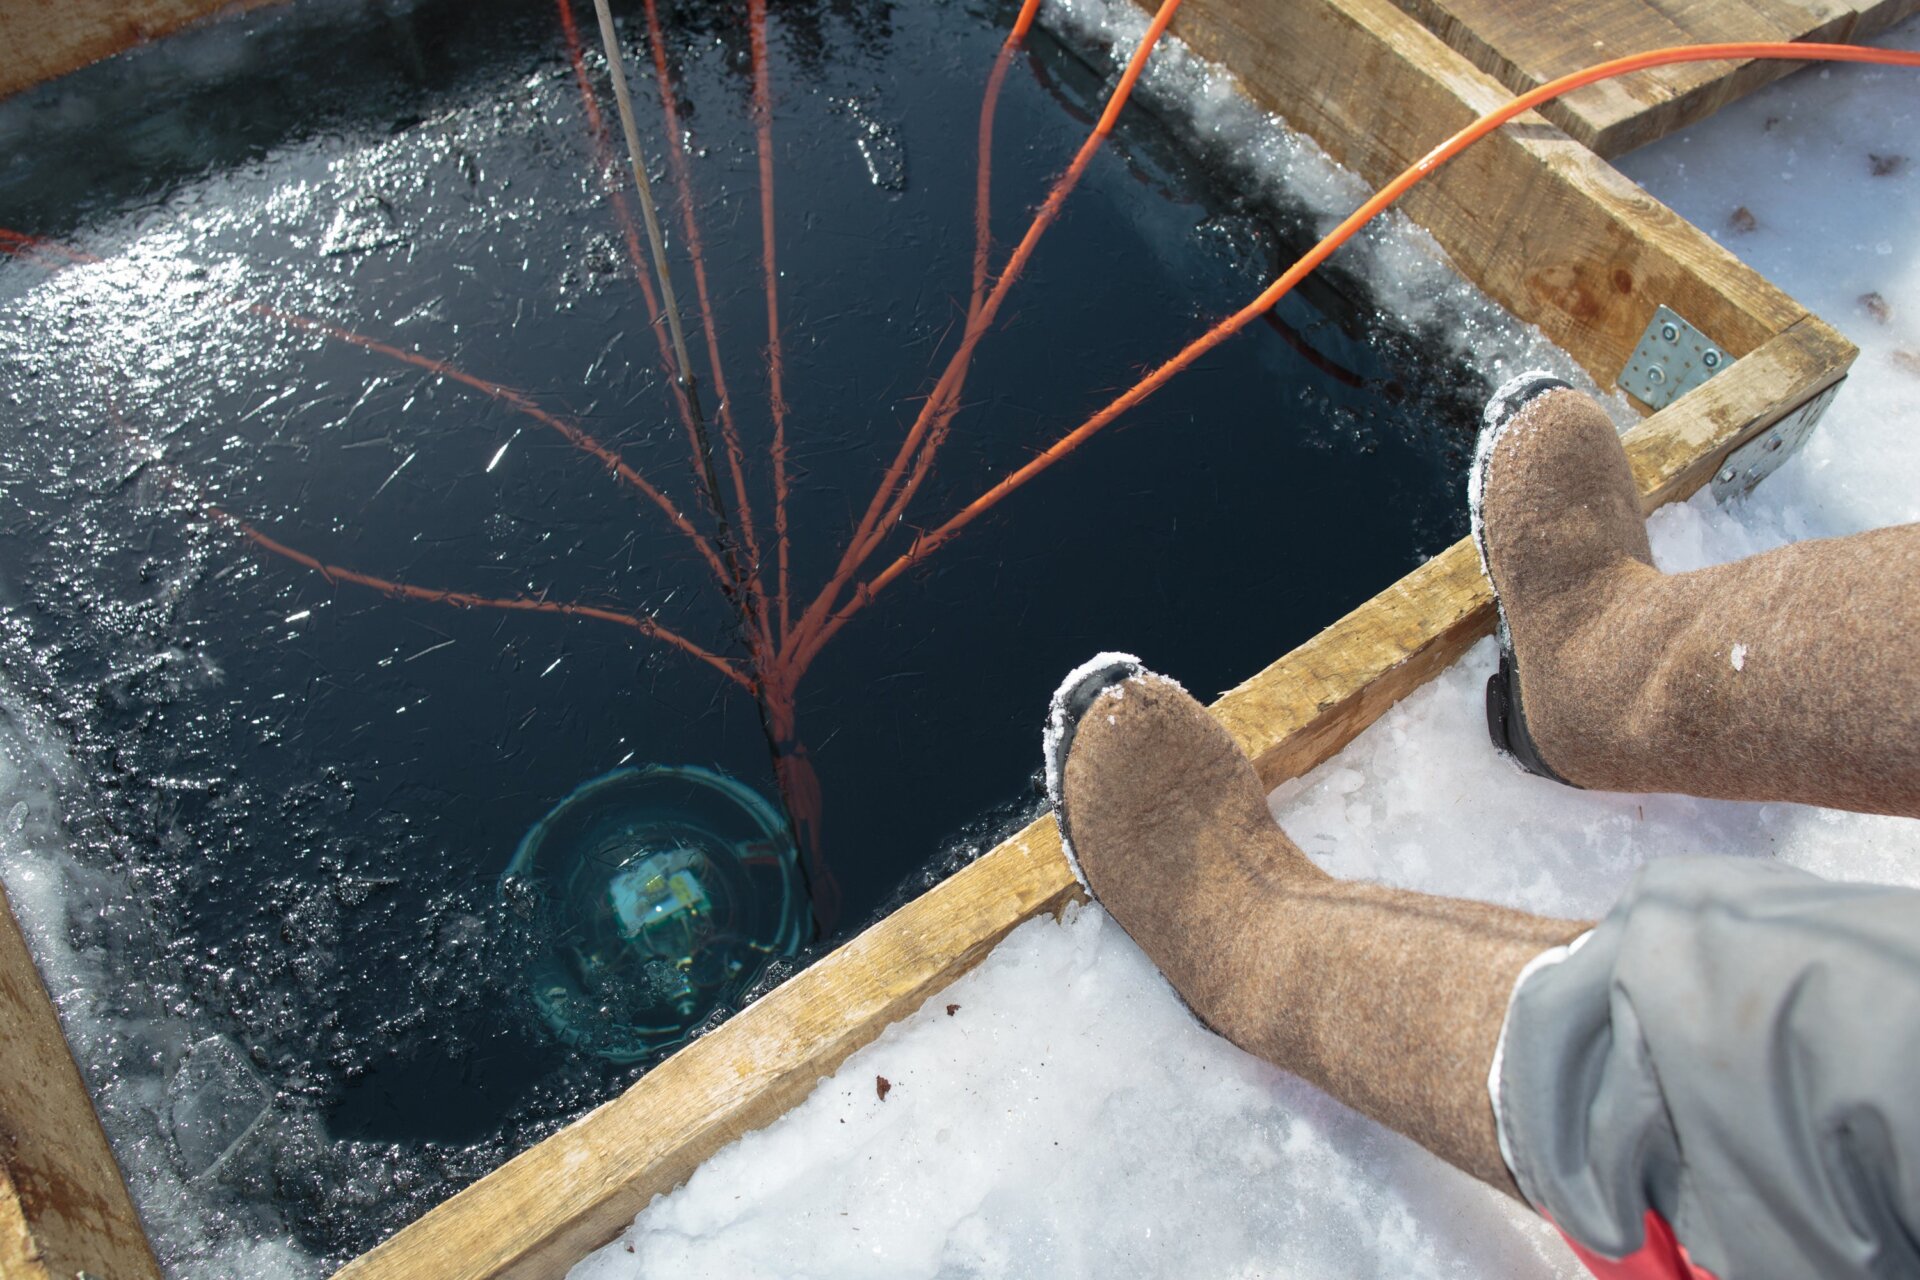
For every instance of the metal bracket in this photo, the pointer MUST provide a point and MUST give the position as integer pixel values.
(1761, 456)
(1671, 359)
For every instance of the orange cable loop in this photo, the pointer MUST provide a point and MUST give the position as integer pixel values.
(928, 542)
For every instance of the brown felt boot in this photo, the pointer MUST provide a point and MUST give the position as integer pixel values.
(1792, 675)
(1389, 1000)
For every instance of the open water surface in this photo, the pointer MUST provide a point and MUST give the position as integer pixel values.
(311, 790)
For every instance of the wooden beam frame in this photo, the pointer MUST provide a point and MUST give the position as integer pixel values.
(1525, 43)
(64, 1210)
(1536, 220)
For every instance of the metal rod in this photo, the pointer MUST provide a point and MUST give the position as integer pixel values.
(617, 70)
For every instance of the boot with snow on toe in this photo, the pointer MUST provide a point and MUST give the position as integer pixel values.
(1389, 1000)
(1791, 675)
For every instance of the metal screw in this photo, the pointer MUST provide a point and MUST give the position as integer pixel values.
(1774, 442)
(1670, 332)
(1656, 374)
(1711, 359)
(1726, 477)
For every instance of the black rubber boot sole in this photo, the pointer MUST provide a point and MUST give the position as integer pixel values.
(1082, 687)
(1506, 716)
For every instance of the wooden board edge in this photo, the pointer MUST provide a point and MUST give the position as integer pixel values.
(47, 41)
(19, 1255)
(60, 1188)
(1613, 138)
(1546, 228)
(1875, 16)
(1612, 124)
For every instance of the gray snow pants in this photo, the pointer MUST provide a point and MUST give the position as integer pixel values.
(1732, 1054)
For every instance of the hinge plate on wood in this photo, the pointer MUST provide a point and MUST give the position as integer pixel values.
(1671, 359)
(1761, 456)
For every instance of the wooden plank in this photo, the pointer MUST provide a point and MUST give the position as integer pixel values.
(1549, 230)
(541, 1212)
(19, 1256)
(1874, 16)
(1525, 43)
(63, 1207)
(43, 39)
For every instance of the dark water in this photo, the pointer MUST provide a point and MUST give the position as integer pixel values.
(316, 787)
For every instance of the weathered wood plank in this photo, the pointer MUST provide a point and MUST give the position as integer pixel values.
(1546, 228)
(63, 1206)
(42, 39)
(1525, 43)
(1874, 16)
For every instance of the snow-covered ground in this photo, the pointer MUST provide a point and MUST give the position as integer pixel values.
(1068, 1118)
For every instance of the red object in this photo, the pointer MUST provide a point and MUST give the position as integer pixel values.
(1659, 1257)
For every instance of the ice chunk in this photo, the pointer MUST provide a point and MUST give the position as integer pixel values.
(215, 1101)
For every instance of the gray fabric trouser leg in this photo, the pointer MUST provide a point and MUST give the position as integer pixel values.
(1736, 1047)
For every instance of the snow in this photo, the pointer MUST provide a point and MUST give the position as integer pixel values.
(1069, 1118)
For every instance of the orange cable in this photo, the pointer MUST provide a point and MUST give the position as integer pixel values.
(927, 543)
(645, 625)
(630, 230)
(943, 402)
(518, 400)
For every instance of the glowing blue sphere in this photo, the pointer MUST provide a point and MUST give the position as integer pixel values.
(656, 895)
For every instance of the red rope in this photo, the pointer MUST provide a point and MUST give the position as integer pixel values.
(696, 253)
(646, 626)
(518, 400)
(776, 360)
(630, 230)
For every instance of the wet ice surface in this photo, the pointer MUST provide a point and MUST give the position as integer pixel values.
(1065, 1035)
